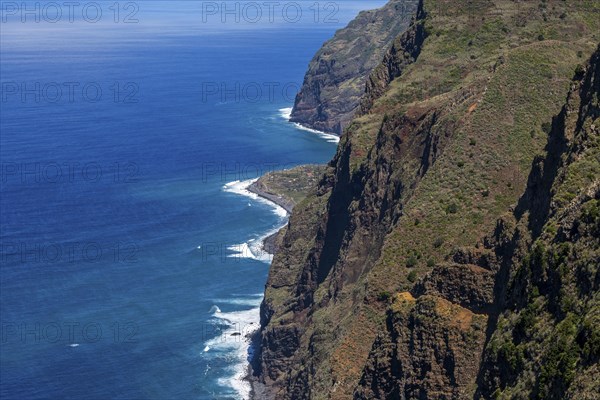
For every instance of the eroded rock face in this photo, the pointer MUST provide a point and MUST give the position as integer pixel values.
(529, 293)
(545, 342)
(468, 285)
(335, 81)
(417, 165)
(430, 350)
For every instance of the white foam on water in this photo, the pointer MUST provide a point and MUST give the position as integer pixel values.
(286, 113)
(241, 188)
(240, 301)
(254, 250)
(234, 340)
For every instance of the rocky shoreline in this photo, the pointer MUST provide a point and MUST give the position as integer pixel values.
(286, 188)
(260, 189)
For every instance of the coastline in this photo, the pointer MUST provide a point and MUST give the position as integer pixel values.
(250, 188)
(282, 190)
(259, 190)
(269, 243)
(330, 137)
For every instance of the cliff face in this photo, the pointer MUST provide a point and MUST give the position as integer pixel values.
(535, 281)
(387, 283)
(335, 80)
(546, 339)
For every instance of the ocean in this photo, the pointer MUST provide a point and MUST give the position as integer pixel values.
(131, 265)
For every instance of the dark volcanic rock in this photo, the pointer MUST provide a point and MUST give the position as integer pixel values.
(431, 350)
(336, 77)
(467, 285)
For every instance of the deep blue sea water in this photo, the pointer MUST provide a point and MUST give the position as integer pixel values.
(126, 258)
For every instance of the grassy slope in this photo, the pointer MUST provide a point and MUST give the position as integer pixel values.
(547, 343)
(291, 185)
(497, 80)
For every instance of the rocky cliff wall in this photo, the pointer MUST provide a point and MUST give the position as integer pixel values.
(336, 76)
(442, 150)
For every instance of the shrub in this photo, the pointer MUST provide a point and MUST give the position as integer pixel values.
(579, 71)
(591, 211)
(452, 208)
(511, 355)
(412, 276)
(431, 263)
(438, 242)
(547, 127)
(384, 296)
(411, 262)
(472, 142)
(558, 367)
(525, 323)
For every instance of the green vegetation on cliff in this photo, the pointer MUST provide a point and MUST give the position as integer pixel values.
(290, 186)
(336, 76)
(453, 119)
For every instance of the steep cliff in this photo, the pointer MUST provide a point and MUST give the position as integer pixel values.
(377, 290)
(335, 80)
(546, 339)
(531, 290)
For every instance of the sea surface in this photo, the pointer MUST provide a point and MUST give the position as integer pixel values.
(130, 255)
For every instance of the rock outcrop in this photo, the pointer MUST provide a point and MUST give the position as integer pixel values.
(398, 277)
(546, 332)
(538, 293)
(335, 80)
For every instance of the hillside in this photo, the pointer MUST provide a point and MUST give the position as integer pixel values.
(400, 275)
(534, 283)
(336, 76)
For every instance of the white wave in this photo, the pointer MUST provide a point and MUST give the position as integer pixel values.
(327, 136)
(241, 301)
(241, 188)
(214, 310)
(286, 113)
(253, 250)
(235, 342)
(207, 348)
(74, 345)
(252, 300)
